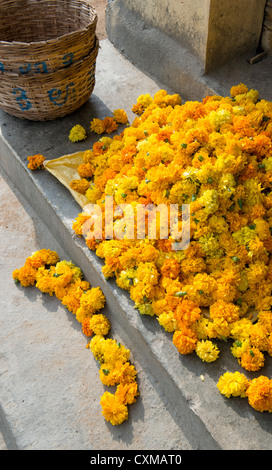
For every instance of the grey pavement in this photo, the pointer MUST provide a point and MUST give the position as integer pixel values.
(50, 387)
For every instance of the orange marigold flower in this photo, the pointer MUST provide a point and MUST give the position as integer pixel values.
(85, 170)
(86, 329)
(36, 162)
(226, 310)
(259, 394)
(187, 312)
(170, 268)
(80, 185)
(120, 116)
(185, 340)
(252, 359)
(110, 125)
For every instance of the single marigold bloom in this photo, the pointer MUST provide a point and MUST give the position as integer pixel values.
(26, 275)
(120, 116)
(80, 185)
(110, 124)
(259, 394)
(187, 313)
(85, 170)
(233, 384)
(252, 359)
(99, 324)
(225, 310)
(97, 126)
(185, 340)
(36, 162)
(127, 392)
(170, 268)
(86, 329)
(77, 133)
(207, 351)
(113, 409)
(238, 90)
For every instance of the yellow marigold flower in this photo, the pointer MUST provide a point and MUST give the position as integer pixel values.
(77, 133)
(185, 340)
(201, 328)
(97, 345)
(120, 116)
(26, 275)
(239, 347)
(80, 185)
(97, 126)
(113, 409)
(127, 392)
(233, 384)
(241, 329)
(36, 162)
(167, 321)
(93, 194)
(238, 90)
(99, 324)
(259, 394)
(252, 359)
(92, 300)
(88, 156)
(207, 351)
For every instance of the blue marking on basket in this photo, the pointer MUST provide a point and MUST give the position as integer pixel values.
(55, 95)
(39, 67)
(68, 59)
(22, 99)
(2, 68)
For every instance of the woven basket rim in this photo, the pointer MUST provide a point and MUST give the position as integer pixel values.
(47, 77)
(10, 44)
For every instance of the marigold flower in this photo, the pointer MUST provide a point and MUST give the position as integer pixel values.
(86, 329)
(127, 392)
(80, 185)
(185, 340)
(259, 394)
(36, 162)
(99, 324)
(77, 133)
(97, 126)
(233, 384)
(252, 359)
(120, 116)
(207, 351)
(113, 409)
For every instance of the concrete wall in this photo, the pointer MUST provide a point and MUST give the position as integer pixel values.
(234, 29)
(180, 43)
(185, 21)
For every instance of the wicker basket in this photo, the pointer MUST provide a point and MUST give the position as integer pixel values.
(41, 36)
(43, 97)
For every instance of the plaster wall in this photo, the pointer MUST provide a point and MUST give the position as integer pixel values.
(184, 21)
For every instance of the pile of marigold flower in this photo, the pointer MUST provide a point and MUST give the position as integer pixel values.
(64, 280)
(215, 155)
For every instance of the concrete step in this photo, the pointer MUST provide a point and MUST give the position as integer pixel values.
(205, 419)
